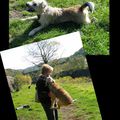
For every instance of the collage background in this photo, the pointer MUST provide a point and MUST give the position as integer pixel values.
(98, 66)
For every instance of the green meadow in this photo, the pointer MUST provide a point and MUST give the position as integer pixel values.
(84, 108)
(95, 36)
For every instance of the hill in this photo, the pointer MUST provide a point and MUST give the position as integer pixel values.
(74, 66)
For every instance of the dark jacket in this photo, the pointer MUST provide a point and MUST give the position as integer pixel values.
(43, 90)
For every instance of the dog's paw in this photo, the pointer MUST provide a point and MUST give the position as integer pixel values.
(31, 33)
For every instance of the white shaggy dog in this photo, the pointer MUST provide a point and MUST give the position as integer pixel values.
(51, 15)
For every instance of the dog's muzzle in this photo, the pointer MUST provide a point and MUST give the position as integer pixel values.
(29, 8)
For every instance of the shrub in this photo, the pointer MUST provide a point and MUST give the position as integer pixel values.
(21, 80)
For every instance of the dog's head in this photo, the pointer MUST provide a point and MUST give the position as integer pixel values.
(36, 5)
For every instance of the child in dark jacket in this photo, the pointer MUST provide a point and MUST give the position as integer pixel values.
(43, 92)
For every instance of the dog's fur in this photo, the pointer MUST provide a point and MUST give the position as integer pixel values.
(51, 15)
(58, 95)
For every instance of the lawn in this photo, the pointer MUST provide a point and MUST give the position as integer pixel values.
(95, 36)
(85, 107)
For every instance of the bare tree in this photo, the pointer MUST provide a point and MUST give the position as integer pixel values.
(43, 52)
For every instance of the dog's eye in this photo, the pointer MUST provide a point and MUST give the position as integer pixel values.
(34, 4)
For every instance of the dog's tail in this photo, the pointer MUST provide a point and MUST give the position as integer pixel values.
(90, 5)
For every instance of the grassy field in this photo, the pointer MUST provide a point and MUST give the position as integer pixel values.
(85, 108)
(95, 36)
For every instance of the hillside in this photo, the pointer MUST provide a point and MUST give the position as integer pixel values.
(74, 66)
(95, 36)
(12, 72)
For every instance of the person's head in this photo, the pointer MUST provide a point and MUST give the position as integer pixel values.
(47, 69)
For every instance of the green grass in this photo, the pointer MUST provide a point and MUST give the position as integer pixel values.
(86, 107)
(95, 36)
(26, 96)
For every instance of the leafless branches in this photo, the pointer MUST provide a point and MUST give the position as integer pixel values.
(43, 52)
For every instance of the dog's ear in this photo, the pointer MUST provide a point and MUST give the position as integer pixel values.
(83, 7)
(43, 4)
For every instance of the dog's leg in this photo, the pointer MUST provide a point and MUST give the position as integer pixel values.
(30, 18)
(31, 33)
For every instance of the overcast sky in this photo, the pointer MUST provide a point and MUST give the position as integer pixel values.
(15, 58)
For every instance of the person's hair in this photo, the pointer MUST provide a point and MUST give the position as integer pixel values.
(46, 68)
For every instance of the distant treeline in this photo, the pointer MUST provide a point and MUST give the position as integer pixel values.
(74, 74)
